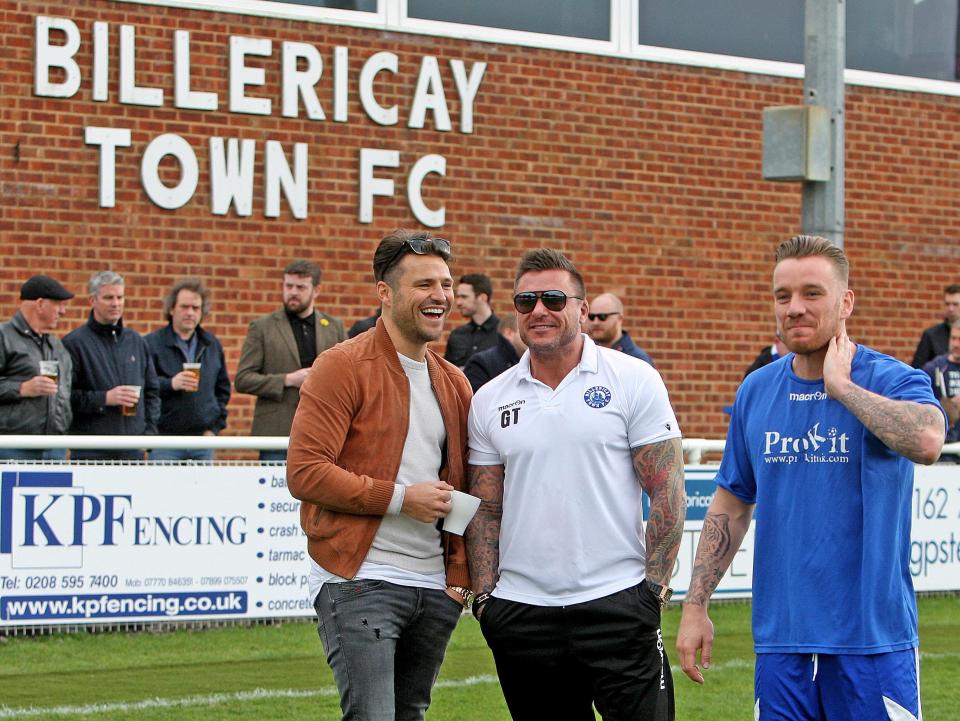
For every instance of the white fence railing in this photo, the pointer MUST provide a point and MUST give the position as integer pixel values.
(693, 448)
(266, 443)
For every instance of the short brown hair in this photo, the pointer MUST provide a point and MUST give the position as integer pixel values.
(952, 289)
(394, 247)
(549, 259)
(479, 282)
(305, 269)
(194, 285)
(806, 246)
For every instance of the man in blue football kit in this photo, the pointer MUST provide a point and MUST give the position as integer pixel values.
(823, 441)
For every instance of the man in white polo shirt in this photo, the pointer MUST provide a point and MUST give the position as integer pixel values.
(570, 585)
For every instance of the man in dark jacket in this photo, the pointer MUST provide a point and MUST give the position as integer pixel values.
(944, 372)
(114, 385)
(605, 325)
(474, 292)
(191, 372)
(935, 340)
(363, 325)
(35, 369)
(769, 354)
(488, 364)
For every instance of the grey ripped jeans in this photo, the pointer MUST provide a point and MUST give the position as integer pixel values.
(385, 644)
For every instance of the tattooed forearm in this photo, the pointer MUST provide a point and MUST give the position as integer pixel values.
(708, 567)
(659, 469)
(724, 527)
(913, 430)
(483, 534)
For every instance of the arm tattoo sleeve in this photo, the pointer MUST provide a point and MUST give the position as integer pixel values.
(901, 425)
(711, 561)
(483, 533)
(659, 469)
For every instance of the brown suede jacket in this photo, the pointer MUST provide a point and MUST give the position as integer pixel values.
(347, 440)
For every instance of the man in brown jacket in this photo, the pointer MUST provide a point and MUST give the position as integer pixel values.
(279, 350)
(377, 446)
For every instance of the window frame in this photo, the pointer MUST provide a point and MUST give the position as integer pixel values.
(624, 42)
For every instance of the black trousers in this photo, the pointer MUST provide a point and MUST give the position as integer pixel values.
(558, 662)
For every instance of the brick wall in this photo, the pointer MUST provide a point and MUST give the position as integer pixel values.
(647, 175)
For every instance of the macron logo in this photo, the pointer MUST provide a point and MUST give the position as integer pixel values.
(818, 396)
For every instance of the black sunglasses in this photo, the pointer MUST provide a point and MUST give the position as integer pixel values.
(555, 300)
(602, 316)
(421, 245)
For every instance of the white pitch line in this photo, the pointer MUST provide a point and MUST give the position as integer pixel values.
(261, 693)
(216, 698)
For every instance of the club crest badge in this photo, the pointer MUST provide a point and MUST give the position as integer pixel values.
(597, 397)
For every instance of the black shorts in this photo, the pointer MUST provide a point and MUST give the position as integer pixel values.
(558, 662)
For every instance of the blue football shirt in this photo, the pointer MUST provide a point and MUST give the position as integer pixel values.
(833, 503)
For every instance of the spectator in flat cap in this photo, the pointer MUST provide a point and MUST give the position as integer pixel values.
(43, 286)
(115, 390)
(35, 369)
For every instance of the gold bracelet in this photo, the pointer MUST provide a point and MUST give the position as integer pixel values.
(465, 593)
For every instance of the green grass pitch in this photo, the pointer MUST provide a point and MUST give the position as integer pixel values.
(278, 672)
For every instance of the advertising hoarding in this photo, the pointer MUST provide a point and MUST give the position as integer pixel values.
(113, 544)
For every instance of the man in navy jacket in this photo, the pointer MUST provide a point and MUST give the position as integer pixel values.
(935, 340)
(114, 386)
(193, 400)
(605, 325)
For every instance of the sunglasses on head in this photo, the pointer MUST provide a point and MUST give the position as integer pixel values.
(602, 316)
(555, 300)
(421, 245)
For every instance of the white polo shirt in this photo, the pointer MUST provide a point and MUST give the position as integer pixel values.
(572, 528)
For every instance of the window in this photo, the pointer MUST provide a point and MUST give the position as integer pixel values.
(903, 37)
(572, 18)
(369, 6)
(764, 29)
(916, 38)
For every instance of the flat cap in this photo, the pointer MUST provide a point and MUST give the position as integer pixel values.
(43, 286)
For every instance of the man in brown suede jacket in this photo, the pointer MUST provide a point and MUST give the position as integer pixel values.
(377, 446)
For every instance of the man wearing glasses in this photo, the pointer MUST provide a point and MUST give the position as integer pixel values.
(605, 325)
(377, 446)
(570, 584)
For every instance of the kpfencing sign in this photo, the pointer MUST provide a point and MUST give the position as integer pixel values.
(105, 544)
(114, 544)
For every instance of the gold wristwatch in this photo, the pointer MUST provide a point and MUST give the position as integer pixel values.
(663, 593)
(465, 592)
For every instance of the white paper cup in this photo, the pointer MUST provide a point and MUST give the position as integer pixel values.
(463, 507)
